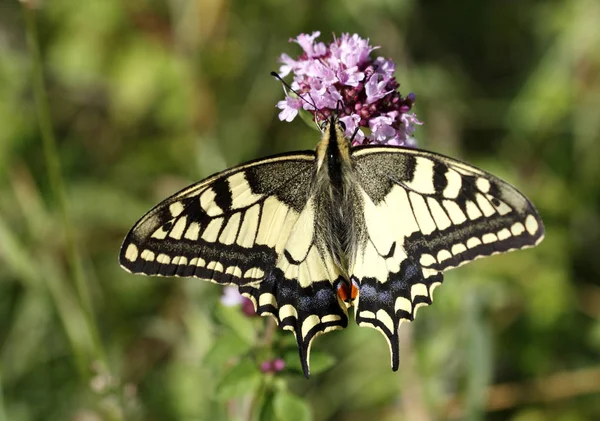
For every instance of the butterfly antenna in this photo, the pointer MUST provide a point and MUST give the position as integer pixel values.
(354, 134)
(312, 104)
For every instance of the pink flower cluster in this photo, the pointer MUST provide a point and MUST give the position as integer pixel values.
(342, 76)
(272, 366)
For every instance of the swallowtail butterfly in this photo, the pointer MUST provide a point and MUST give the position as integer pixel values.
(305, 235)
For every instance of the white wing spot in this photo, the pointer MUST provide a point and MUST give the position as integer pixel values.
(483, 184)
(179, 260)
(439, 215)
(148, 255)
(422, 214)
(473, 242)
(418, 290)
(485, 205)
(215, 266)
(197, 261)
(178, 228)
(211, 232)
(207, 202)
(367, 314)
(489, 238)
(472, 210)
(454, 184)
(234, 271)
(443, 255)
(286, 311)
(385, 318)
(267, 299)
(456, 214)
(254, 273)
(517, 229)
(249, 227)
(422, 180)
(531, 224)
(501, 207)
(131, 253)
(458, 248)
(427, 259)
(330, 318)
(192, 232)
(160, 234)
(403, 304)
(230, 231)
(176, 208)
(310, 322)
(503, 234)
(163, 259)
(241, 192)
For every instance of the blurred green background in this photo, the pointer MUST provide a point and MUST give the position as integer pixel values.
(145, 97)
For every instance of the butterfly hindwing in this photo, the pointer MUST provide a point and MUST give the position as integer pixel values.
(425, 213)
(249, 226)
(392, 284)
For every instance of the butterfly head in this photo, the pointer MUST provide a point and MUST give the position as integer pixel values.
(334, 146)
(333, 123)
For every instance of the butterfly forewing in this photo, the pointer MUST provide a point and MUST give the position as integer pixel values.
(425, 213)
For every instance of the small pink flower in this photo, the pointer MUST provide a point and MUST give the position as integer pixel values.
(266, 366)
(278, 364)
(381, 129)
(376, 88)
(231, 297)
(351, 76)
(289, 107)
(307, 42)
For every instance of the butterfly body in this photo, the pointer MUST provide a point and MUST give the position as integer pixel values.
(306, 234)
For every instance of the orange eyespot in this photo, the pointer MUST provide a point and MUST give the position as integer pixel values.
(347, 292)
(343, 291)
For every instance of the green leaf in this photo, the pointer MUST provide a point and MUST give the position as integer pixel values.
(234, 318)
(319, 361)
(308, 118)
(267, 411)
(289, 407)
(227, 346)
(242, 379)
(292, 361)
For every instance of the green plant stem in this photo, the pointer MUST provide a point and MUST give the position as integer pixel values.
(2, 409)
(51, 157)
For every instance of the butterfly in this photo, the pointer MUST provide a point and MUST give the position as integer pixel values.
(306, 235)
